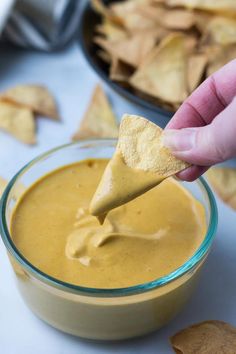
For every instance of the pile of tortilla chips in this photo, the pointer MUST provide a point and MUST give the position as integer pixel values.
(18, 107)
(163, 49)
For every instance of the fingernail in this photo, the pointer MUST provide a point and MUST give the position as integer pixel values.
(180, 139)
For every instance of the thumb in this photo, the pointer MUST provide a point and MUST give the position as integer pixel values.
(208, 145)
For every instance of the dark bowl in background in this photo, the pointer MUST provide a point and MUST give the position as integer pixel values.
(89, 19)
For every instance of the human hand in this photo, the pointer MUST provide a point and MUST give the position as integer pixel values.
(203, 130)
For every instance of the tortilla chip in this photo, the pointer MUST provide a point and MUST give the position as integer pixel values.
(99, 120)
(18, 121)
(201, 19)
(136, 22)
(141, 145)
(190, 44)
(209, 337)
(227, 6)
(219, 56)
(3, 184)
(122, 8)
(104, 56)
(158, 33)
(111, 31)
(36, 98)
(141, 157)
(119, 71)
(99, 7)
(131, 13)
(221, 30)
(196, 66)
(153, 12)
(223, 182)
(178, 19)
(163, 73)
(105, 11)
(132, 50)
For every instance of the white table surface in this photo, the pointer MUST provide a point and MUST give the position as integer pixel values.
(72, 81)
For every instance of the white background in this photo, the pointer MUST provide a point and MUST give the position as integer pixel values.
(72, 81)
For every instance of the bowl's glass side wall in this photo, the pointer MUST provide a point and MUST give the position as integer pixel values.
(105, 318)
(197, 189)
(86, 314)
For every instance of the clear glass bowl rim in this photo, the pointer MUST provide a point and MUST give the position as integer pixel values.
(113, 292)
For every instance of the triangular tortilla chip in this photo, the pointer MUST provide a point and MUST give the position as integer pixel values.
(119, 71)
(163, 73)
(219, 56)
(104, 56)
(190, 44)
(139, 163)
(178, 19)
(122, 8)
(132, 50)
(112, 31)
(35, 97)
(223, 181)
(3, 184)
(221, 30)
(196, 66)
(135, 22)
(228, 6)
(106, 11)
(202, 18)
(141, 145)
(99, 120)
(125, 14)
(131, 12)
(209, 337)
(99, 6)
(18, 121)
(152, 11)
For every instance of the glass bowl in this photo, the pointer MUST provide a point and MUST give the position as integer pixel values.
(101, 314)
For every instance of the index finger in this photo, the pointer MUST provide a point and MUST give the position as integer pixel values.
(208, 100)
